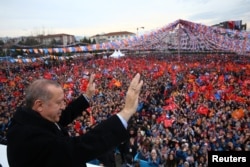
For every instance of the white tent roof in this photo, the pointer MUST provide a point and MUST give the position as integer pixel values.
(117, 54)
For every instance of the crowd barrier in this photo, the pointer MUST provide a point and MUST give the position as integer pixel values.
(4, 161)
(3, 156)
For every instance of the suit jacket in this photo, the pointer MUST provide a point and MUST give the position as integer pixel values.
(36, 142)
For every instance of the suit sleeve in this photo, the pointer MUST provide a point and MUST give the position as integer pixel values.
(73, 110)
(104, 137)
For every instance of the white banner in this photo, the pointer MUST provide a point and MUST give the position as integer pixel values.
(3, 157)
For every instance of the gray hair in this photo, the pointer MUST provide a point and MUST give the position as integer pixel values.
(39, 90)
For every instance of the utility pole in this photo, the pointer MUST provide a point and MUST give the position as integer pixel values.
(7, 61)
(138, 30)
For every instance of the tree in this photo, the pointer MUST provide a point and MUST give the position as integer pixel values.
(86, 40)
(93, 42)
(29, 42)
(1, 48)
(1, 42)
(53, 42)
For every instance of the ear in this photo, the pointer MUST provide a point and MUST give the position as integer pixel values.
(38, 105)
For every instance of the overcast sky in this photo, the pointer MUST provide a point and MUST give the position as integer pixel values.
(87, 18)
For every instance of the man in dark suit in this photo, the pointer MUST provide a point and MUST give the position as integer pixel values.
(37, 135)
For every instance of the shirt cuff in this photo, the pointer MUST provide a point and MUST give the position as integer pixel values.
(124, 122)
(87, 99)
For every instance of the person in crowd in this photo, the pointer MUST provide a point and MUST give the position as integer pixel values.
(171, 161)
(195, 101)
(37, 135)
(143, 153)
(186, 164)
(154, 159)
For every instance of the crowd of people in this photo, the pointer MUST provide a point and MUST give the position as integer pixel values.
(188, 105)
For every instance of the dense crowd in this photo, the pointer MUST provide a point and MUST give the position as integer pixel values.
(189, 104)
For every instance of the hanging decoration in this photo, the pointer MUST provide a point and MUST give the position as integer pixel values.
(179, 35)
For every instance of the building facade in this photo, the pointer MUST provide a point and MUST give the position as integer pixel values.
(41, 40)
(233, 25)
(57, 39)
(112, 36)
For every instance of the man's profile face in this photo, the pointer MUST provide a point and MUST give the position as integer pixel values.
(52, 108)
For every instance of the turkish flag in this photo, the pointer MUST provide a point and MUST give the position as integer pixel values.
(202, 110)
(168, 122)
(171, 106)
(47, 75)
(84, 84)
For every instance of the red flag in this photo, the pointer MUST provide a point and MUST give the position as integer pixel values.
(246, 92)
(84, 84)
(47, 75)
(246, 83)
(202, 110)
(3, 80)
(169, 100)
(161, 118)
(203, 88)
(240, 99)
(221, 79)
(187, 98)
(231, 24)
(16, 93)
(168, 122)
(77, 126)
(171, 106)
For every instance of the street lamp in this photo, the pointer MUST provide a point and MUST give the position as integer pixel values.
(138, 29)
